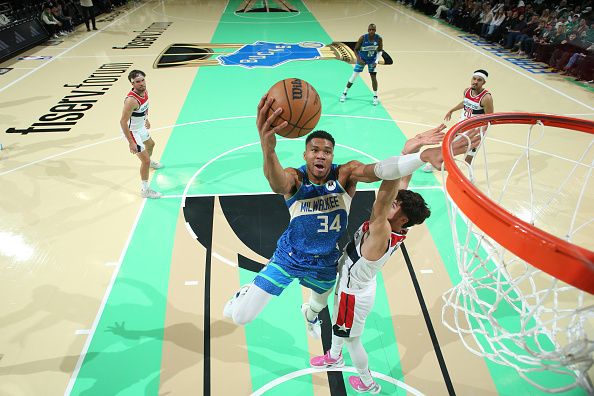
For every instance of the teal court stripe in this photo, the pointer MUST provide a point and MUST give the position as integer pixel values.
(124, 356)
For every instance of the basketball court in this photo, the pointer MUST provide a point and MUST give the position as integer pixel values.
(106, 293)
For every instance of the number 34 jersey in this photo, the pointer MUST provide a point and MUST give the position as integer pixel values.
(318, 216)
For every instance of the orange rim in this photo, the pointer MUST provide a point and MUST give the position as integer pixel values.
(563, 260)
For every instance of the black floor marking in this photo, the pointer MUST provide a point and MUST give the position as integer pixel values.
(258, 221)
(335, 378)
(199, 213)
(440, 359)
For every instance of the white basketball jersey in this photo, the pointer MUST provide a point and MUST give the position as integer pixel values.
(356, 273)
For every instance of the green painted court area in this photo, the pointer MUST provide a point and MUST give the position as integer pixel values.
(222, 142)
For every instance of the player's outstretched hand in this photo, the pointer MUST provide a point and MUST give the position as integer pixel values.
(427, 138)
(461, 144)
(432, 136)
(264, 122)
(466, 141)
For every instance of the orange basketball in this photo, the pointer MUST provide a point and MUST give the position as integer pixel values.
(301, 106)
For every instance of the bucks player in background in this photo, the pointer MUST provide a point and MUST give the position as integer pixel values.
(369, 49)
(318, 196)
(475, 101)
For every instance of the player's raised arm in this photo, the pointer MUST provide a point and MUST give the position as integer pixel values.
(448, 115)
(397, 166)
(379, 226)
(282, 181)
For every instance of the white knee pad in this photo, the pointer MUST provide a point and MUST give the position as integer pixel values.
(317, 302)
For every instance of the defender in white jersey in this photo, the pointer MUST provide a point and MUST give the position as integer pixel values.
(371, 247)
(135, 125)
(318, 197)
(475, 101)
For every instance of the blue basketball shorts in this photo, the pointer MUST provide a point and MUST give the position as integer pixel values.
(315, 273)
(370, 63)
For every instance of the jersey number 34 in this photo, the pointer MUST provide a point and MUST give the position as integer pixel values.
(335, 226)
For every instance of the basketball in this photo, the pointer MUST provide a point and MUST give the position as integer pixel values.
(301, 106)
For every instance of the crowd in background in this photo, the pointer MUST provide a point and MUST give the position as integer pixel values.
(559, 33)
(59, 17)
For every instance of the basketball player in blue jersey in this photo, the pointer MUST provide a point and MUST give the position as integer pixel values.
(369, 49)
(318, 196)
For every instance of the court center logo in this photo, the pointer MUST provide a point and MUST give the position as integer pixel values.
(257, 55)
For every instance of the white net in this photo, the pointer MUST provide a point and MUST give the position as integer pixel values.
(503, 308)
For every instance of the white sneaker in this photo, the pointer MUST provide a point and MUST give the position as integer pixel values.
(314, 329)
(343, 97)
(375, 100)
(156, 165)
(428, 168)
(150, 193)
(228, 310)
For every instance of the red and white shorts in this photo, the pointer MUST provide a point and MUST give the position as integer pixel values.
(351, 310)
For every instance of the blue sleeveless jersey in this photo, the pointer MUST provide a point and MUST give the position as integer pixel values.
(368, 51)
(319, 215)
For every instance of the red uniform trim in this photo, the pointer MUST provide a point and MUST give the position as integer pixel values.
(141, 100)
(346, 310)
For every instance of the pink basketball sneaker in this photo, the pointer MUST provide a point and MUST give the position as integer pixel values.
(360, 387)
(325, 361)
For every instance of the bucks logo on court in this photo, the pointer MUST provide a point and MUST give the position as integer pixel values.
(258, 54)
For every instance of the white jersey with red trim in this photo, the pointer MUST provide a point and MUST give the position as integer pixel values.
(472, 104)
(355, 272)
(138, 117)
(355, 292)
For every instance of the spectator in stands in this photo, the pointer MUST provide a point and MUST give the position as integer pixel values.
(495, 22)
(526, 33)
(4, 20)
(88, 13)
(53, 26)
(444, 7)
(515, 30)
(564, 50)
(545, 49)
(58, 13)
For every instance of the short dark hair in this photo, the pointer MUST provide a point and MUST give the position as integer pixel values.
(135, 73)
(482, 71)
(320, 134)
(414, 207)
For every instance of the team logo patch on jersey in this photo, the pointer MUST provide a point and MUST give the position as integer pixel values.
(330, 185)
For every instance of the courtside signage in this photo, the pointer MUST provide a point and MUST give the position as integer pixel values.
(146, 37)
(64, 115)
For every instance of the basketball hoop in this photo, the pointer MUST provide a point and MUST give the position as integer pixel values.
(523, 247)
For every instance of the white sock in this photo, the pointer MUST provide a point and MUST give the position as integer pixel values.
(336, 348)
(360, 360)
(345, 91)
(145, 185)
(375, 94)
(353, 77)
